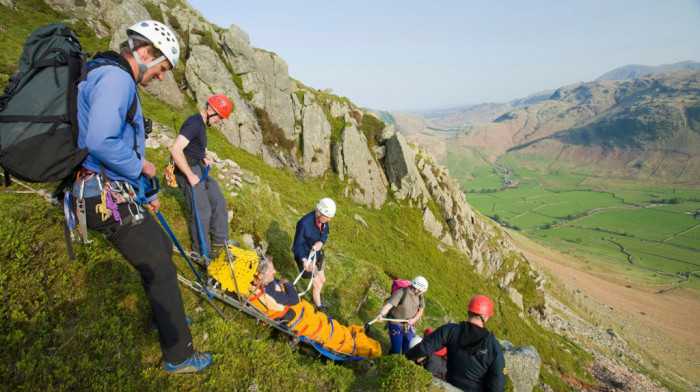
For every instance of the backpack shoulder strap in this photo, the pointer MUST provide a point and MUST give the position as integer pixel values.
(131, 113)
(403, 296)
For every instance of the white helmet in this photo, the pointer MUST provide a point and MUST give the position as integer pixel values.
(415, 340)
(326, 206)
(160, 36)
(420, 283)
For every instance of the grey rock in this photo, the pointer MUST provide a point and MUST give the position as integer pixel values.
(359, 219)
(206, 75)
(337, 160)
(523, 366)
(265, 76)
(430, 224)
(316, 149)
(167, 90)
(362, 167)
(401, 171)
(515, 296)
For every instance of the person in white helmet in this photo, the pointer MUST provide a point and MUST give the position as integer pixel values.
(312, 232)
(112, 127)
(406, 303)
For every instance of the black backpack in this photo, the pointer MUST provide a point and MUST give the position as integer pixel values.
(38, 108)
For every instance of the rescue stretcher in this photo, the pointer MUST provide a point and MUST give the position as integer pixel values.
(230, 281)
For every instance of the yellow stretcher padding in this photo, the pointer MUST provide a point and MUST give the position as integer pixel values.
(245, 263)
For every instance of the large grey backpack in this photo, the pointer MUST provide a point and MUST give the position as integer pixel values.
(38, 108)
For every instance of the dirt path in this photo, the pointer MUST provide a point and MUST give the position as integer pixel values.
(666, 325)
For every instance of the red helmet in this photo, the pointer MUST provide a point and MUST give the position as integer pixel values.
(482, 305)
(221, 105)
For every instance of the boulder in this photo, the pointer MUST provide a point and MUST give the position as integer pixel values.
(522, 365)
(401, 171)
(362, 167)
(316, 138)
(430, 224)
(265, 76)
(206, 74)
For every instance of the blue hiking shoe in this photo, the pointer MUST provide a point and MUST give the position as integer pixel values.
(195, 363)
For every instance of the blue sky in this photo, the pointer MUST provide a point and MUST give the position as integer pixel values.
(415, 55)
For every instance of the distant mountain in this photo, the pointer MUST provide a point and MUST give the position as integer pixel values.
(635, 71)
(465, 116)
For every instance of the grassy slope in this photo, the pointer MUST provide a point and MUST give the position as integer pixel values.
(82, 324)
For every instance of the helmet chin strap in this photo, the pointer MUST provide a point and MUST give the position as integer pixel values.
(210, 115)
(143, 67)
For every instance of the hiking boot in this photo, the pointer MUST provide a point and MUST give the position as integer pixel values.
(199, 259)
(195, 363)
(325, 304)
(216, 250)
(154, 326)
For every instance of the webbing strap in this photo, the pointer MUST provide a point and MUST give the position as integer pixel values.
(327, 353)
(39, 119)
(301, 316)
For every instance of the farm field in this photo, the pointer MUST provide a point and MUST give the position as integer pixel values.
(634, 231)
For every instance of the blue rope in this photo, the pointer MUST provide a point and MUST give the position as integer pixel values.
(196, 214)
(179, 247)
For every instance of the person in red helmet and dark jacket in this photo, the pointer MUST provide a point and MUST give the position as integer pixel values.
(475, 359)
(436, 362)
(189, 152)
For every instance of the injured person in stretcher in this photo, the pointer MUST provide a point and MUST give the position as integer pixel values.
(253, 278)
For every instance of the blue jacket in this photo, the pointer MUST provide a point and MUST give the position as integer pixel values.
(103, 101)
(307, 234)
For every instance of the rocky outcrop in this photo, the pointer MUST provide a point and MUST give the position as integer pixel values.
(265, 77)
(361, 166)
(400, 166)
(430, 224)
(522, 365)
(316, 145)
(206, 74)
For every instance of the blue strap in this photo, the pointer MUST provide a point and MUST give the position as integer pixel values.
(301, 316)
(196, 213)
(146, 186)
(327, 353)
(179, 247)
(199, 224)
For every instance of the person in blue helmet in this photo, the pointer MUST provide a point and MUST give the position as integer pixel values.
(113, 129)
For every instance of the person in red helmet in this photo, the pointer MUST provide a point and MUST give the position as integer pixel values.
(189, 152)
(475, 360)
(436, 362)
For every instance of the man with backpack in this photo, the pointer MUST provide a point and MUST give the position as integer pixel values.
(405, 303)
(202, 193)
(116, 170)
(475, 359)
